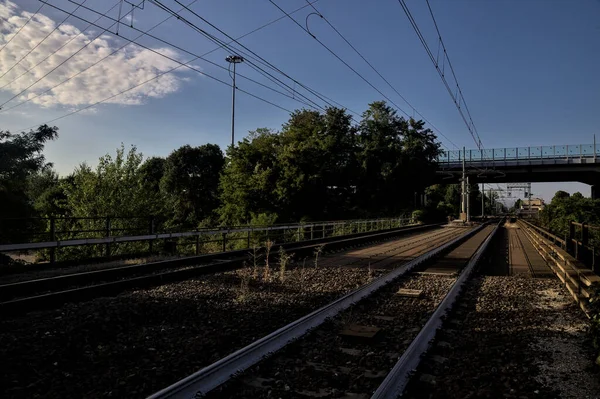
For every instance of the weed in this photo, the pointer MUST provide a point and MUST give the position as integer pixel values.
(284, 259)
(244, 289)
(267, 269)
(318, 252)
(254, 256)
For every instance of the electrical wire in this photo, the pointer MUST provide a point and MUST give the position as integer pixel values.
(248, 57)
(40, 42)
(453, 73)
(264, 61)
(130, 41)
(379, 74)
(61, 47)
(21, 28)
(147, 81)
(440, 71)
(339, 58)
(176, 14)
(104, 30)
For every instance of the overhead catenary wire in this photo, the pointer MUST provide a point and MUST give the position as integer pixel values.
(40, 42)
(464, 102)
(60, 48)
(339, 58)
(103, 31)
(261, 59)
(130, 41)
(378, 73)
(441, 73)
(21, 28)
(232, 49)
(163, 73)
(221, 44)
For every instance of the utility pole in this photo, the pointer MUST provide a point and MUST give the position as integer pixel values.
(233, 59)
(482, 201)
(463, 185)
(468, 201)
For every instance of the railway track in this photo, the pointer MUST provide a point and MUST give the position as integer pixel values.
(49, 292)
(349, 347)
(137, 342)
(517, 335)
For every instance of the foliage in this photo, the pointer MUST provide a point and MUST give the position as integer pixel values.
(190, 184)
(20, 157)
(565, 208)
(319, 167)
(115, 188)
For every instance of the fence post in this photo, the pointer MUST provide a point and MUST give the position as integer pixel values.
(151, 232)
(198, 244)
(312, 226)
(107, 234)
(571, 236)
(298, 233)
(248, 238)
(52, 238)
(323, 230)
(224, 241)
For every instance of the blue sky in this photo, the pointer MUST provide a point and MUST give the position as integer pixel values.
(528, 70)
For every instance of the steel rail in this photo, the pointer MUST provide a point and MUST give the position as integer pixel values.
(26, 287)
(236, 260)
(210, 377)
(394, 383)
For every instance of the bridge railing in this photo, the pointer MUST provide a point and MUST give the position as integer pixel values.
(522, 153)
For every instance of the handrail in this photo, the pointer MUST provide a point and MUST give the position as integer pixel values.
(522, 153)
(223, 230)
(546, 233)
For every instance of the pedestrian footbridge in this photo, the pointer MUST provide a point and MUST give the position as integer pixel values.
(579, 162)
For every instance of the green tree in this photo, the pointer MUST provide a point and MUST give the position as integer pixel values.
(114, 188)
(190, 184)
(249, 179)
(21, 157)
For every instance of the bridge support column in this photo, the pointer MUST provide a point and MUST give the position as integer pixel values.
(596, 191)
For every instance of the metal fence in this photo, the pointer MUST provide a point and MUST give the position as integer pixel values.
(78, 238)
(582, 242)
(522, 153)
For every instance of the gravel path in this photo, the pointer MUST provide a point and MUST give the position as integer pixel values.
(510, 337)
(141, 341)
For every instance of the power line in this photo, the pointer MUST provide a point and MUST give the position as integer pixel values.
(21, 28)
(61, 47)
(143, 83)
(67, 59)
(339, 58)
(441, 72)
(161, 74)
(264, 61)
(220, 43)
(453, 73)
(379, 74)
(40, 42)
(129, 41)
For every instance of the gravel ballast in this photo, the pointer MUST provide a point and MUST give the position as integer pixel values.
(141, 341)
(510, 337)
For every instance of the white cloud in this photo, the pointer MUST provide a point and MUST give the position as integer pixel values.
(126, 68)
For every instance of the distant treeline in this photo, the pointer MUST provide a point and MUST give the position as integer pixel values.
(319, 166)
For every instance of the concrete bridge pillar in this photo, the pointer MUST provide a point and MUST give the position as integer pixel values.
(596, 191)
